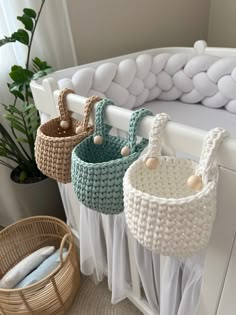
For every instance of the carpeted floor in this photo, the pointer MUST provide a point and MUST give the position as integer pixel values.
(96, 300)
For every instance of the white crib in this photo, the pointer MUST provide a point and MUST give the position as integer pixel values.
(219, 279)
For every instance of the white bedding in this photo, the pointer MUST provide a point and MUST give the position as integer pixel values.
(195, 115)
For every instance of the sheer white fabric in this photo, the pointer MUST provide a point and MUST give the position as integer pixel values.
(104, 251)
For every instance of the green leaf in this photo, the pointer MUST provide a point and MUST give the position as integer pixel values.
(14, 119)
(18, 127)
(29, 12)
(20, 75)
(28, 107)
(41, 73)
(12, 109)
(6, 40)
(18, 94)
(30, 94)
(27, 21)
(33, 127)
(22, 177)
(40, 65)
(21, 36)
(23, 140)
(15, 86)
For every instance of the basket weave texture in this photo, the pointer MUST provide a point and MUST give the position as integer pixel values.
(98, 169)
(161, 211)
(53, 294)
(54, 144)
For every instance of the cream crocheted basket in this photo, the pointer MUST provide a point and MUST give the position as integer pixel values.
(170, 202)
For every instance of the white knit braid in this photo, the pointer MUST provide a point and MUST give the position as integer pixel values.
(191, 78)
(161, 211)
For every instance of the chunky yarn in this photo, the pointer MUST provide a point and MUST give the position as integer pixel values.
(98, 169)
(162, 212)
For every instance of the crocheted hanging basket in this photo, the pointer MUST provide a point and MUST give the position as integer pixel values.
(100, 161)
(169, 202)
(56, 139)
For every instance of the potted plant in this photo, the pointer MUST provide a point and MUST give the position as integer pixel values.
(33, 191)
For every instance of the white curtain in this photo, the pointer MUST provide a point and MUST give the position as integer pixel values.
(104, 251)
(52, 42)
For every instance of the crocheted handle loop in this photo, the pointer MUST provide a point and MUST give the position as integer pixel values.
(101, 129)
(90, 102)
(64, 113)
(134, 123)
(211, 145)
(156, 135)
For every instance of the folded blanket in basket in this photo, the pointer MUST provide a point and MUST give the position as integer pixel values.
(24, 267)
(48, 266)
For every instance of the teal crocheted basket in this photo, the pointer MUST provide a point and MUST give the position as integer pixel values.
(97, 170)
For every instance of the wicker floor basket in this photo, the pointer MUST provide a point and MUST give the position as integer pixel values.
(53, 294)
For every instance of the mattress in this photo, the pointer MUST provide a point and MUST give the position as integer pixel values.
(195, 115)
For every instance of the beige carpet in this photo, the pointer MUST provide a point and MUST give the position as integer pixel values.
(96, 300)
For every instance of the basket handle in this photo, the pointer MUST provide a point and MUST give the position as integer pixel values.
(90, 102)
(134, 123)
(210, 147)
(64, 113)
(101, 130)
(65, 237)
(155, 140)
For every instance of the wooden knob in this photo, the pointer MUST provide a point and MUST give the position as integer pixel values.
(125, 151)
(79, 130)
(64, 124)
(195, 182)
(152, 163)
(98, 140)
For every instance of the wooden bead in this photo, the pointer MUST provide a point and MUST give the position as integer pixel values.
(98, 140)
(79, 130)
(64, 124)
(152, 163)
(195, 182)
(125, 151)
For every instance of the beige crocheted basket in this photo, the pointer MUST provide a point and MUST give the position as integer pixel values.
(56, 139)
(169, 202)
(55, 293)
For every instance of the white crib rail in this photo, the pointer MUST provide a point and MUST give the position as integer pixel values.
(184, 139)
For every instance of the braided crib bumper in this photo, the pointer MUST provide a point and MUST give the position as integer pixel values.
(192, 78)
(167, 208)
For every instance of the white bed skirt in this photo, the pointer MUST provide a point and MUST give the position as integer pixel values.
(104, 252)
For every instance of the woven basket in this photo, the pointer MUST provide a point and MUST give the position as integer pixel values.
(100, 161)
(167, 208)
(53, 294)
(56, 139)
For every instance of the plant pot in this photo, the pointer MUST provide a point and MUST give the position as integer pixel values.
(25, 200)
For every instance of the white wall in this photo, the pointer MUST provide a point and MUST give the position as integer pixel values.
(222, 23)
(108, 28)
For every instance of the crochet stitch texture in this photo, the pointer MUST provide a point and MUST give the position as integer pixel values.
(161, 211)
(98, 170)
(53, 145)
